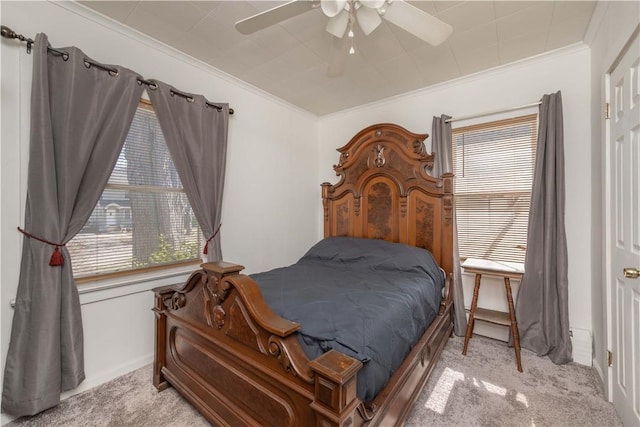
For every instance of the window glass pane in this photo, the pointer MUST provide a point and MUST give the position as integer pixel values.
(493, 164)
(143, 218)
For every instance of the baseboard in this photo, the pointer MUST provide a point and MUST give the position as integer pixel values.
(582, 346)
(94, 381)
(580, 340)
(6, 419)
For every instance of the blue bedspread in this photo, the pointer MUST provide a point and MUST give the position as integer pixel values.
(369, 299)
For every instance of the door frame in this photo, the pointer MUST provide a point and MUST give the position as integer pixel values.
(608, 209)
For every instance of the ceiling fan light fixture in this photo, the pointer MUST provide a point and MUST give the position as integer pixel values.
(368, 19)
(338, 24)
(332, 8)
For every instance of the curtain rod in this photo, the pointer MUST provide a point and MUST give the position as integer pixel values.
(10, 34)
(487, 113)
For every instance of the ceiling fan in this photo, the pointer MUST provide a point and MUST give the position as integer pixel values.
(343, 14)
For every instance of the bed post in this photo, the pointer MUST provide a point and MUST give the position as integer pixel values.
(326, 201)
(447, 226)
(335, 400)
(446, 258)
(174, 297)
(159, 381)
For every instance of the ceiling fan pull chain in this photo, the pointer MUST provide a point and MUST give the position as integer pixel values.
(352, 50)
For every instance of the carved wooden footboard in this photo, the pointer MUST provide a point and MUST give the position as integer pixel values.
(220, 345)
(238, 363)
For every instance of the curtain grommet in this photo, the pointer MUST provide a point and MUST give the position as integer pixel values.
(150, 83)
(112, 71)
(188, 97)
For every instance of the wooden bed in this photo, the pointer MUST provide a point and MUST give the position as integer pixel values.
(220, 345)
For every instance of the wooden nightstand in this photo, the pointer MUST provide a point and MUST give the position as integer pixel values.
(507, 271)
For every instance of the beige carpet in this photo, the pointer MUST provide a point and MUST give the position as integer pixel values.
(482, 389)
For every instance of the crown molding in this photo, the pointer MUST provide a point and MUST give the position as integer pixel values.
(118, 27)
(500, 69)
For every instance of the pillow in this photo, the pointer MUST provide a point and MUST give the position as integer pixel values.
(373, 254)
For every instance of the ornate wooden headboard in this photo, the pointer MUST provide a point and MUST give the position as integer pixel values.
(385, 193)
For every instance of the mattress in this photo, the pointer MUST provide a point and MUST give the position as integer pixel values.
(369, 299)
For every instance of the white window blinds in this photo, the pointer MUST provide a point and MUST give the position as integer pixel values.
(493, 166)
(143, 219)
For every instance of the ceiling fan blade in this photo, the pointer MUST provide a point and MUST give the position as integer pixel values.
(417, 22)
(338, 24)
(338, 57)
(274, 16)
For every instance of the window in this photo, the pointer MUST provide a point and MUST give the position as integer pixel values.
(493, 164)
(143, 219)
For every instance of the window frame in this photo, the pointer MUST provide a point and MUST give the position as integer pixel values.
(527, 119)
(172, 269)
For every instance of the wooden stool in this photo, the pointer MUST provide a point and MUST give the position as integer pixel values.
(482, 267)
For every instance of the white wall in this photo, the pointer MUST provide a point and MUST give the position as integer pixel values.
(275, 148)
(611, 27)
(269, 188)
(517, 84)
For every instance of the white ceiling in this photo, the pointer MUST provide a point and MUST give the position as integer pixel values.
(289, 60)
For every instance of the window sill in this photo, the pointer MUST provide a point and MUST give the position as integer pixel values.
(106, 289)
(132, 284)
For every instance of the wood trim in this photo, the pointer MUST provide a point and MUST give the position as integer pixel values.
(146, 188)
(90, 279)
(624, 49)
(496, 123)
(145, 104)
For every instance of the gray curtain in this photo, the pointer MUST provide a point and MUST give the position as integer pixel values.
(542, 303)
(196, 135)
(442, 146)
(79, 120)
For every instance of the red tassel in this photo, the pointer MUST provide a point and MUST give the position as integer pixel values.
(205, 251)
(56, 258)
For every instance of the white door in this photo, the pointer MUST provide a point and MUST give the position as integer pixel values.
(624, 90)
